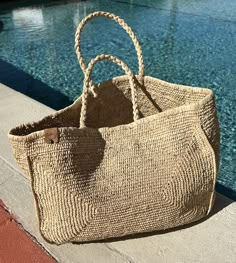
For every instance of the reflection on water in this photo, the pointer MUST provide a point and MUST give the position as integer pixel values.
(28, 17)
(81, 11)
(169, 39)
(189, 42)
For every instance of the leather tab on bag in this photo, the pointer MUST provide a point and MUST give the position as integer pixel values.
(51, 135)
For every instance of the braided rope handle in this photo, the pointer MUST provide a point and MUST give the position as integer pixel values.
(123, 24)
(87, 85)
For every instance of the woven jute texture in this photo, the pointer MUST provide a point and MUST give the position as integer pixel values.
(133, 154)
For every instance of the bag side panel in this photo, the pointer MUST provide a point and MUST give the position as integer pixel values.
(62, 214)
(207, 113)
(20, 154)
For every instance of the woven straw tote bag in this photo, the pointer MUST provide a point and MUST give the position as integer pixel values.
(132, 154)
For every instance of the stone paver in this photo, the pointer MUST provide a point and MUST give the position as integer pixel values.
(4, 172)
(213, 240)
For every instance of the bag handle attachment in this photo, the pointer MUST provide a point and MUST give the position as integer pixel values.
(87, 85)
(123, 24)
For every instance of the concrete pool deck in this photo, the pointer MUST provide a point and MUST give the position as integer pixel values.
(212, 240)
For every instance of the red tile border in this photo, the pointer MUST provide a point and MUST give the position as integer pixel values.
(15, 244)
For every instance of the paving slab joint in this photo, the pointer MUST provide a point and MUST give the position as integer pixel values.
(11, 167)
(120, 253)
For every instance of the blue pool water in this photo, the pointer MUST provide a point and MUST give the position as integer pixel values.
(189, 42)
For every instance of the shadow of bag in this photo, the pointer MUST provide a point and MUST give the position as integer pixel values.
(132, 154)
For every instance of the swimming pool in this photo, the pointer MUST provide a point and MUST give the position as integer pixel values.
(188, 42)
